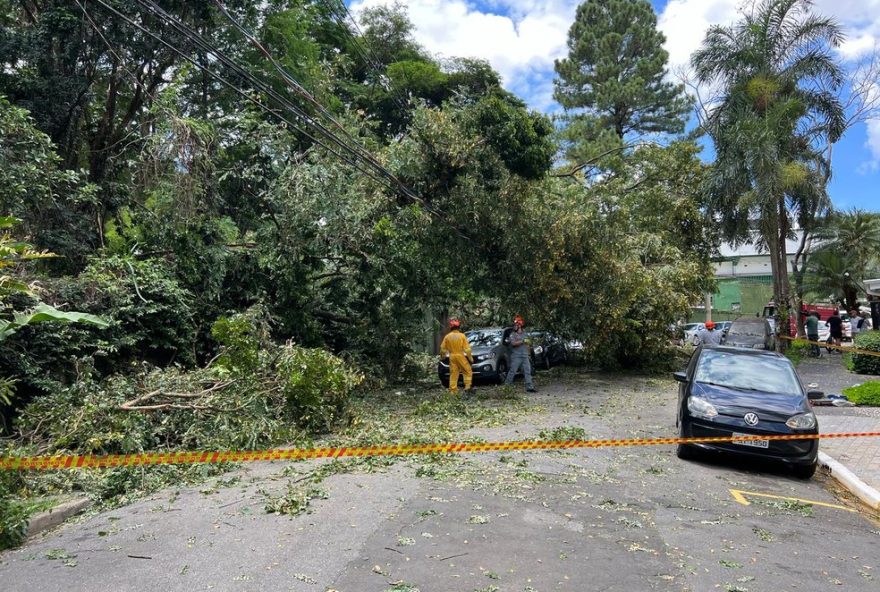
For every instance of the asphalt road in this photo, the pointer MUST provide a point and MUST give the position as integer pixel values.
(618, 520)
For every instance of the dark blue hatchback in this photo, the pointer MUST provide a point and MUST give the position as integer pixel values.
(728, 391)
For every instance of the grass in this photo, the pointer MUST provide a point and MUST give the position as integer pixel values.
(867, 393)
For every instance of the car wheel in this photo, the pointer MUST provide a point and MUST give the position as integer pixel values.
(445, 382)
(804, 471)
(686, 452)
(501, 371)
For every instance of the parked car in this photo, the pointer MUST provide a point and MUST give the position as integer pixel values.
(692, 333)
(736, 392)
(491, 353)
(750, 333)
(723, 326)
(547, 349)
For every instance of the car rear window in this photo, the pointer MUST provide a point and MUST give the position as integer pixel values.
(752, 329)
(755, 373)
(484, 338)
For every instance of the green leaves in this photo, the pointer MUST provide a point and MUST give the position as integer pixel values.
(616, 69)
(43, 313)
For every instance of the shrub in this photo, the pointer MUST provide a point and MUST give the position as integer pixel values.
(796, 352)
(316, 386)
(13, 515)
(13, 522)
(864, 394)
(870, 341)
(152, 312)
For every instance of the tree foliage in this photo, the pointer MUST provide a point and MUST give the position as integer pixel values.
(615, 74)
(177, 205)
(771, 123)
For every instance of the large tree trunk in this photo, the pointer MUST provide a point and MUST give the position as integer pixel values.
(798, 269)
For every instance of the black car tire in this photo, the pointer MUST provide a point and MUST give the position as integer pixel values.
(686, 452)
(445, 382)
(804, 471)
(501, 371)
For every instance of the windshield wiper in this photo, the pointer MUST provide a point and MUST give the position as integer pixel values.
(729, 386)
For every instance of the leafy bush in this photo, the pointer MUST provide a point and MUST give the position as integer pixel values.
(870, 341)
(151, 310)
(316, 386)
(418, 367)
(796, 352)
(864, 394)
(13, 522)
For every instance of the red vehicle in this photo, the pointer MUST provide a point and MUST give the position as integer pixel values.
(825, 312)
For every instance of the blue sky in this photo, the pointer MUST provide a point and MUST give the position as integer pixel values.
(521, 38)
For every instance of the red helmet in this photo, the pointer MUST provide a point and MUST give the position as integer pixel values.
(518, 320)
(710, 325)
(454, 324)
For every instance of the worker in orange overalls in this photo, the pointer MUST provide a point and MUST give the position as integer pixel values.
(456, 346)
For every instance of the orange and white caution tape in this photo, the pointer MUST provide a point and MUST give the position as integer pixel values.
(852, 350)
(21, 463)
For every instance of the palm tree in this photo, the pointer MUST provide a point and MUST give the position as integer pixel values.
(853, 238)
(826, 277)
(777, 108)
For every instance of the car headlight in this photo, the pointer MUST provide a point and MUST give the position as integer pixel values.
(481, 357)
(539, 350)
(701, 408)
(805, 421)
(758, 346)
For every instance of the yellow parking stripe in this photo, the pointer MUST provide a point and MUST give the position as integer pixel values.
(740, 496)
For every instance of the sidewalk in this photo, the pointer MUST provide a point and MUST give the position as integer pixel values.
(860, 455)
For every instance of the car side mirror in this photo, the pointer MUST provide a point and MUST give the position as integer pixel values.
(680, 376)
(815, 395)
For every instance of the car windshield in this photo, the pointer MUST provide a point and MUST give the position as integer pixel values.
(751, 329)
(691, 326)
(484, 338)
(755, 373)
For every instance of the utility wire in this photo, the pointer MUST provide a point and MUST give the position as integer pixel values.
(340, 11)
(238, 90)
(261, 85)
(309, 120)
(301, 90)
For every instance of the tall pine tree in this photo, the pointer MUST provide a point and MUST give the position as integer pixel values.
(613, 77)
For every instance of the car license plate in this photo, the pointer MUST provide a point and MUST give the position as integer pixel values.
(752, 443)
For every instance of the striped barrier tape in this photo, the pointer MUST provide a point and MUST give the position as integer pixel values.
(852, 350)
(15, 463)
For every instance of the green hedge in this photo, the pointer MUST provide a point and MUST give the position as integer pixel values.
(864, 394)
(870, 340)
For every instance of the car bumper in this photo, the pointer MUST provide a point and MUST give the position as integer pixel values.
(794, 452)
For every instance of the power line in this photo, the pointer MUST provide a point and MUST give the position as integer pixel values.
(300, 89)
(358, 153)
(201, 43)
(362, 49)
(236, 89)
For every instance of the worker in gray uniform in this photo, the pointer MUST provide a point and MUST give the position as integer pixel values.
(519, 355)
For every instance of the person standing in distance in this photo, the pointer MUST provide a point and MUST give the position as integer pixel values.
(455, 345)
(709, 336)
(811, 324)
(835, 326)
(519, 357)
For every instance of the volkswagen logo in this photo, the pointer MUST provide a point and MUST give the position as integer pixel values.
(751, 419)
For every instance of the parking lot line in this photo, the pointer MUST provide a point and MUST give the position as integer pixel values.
(740, 496)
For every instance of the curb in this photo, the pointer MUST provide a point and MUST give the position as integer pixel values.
(45, 520)
(860, 489)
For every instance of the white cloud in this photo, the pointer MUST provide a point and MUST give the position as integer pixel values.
(520, 42)
(685, 22)
(873, 146)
